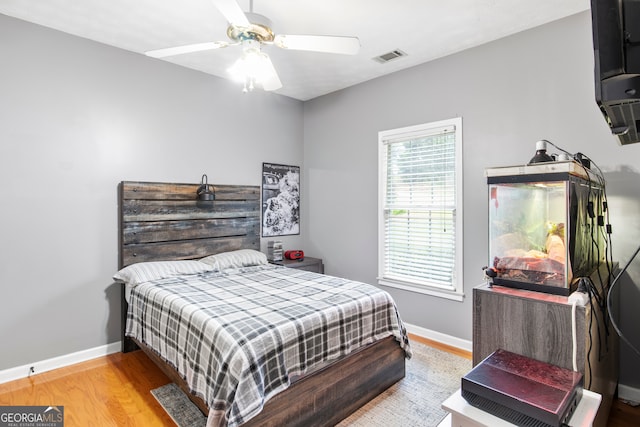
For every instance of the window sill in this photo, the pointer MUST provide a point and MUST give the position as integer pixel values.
(440, 293)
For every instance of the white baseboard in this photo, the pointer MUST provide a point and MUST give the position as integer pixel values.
(626, 392)
(439, 337)
(58, 362)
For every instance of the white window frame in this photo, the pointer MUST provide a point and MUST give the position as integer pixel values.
(455, 290)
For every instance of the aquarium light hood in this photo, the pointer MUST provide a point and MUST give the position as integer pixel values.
(568, 167)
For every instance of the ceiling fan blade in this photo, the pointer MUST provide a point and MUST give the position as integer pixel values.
(232, 12)
(329, 44)
(179, 50)
(271, 81)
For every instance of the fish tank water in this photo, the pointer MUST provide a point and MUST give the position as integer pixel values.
(544, 226)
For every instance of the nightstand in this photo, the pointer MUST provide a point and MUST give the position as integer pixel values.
(307, 263)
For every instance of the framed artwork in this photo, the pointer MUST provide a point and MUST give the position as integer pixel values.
(280, 200)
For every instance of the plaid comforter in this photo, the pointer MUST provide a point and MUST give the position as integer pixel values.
(238, 337)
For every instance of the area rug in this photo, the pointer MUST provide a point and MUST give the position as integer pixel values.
(181, 410)
(431, 377)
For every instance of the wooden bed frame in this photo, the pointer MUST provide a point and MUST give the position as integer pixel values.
(163, 221)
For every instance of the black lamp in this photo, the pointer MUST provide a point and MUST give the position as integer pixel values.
(205, 192)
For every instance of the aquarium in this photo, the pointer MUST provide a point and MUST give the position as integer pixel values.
(545, 226)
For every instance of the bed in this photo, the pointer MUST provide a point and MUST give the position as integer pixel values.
(163, 222)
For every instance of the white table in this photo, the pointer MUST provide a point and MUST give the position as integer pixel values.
(462, 414)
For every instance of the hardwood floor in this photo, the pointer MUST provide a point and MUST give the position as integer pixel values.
(623, 415)
(107, 391)
(441, 346)
(115, 391)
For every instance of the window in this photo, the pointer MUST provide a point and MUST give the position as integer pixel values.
(420, 216)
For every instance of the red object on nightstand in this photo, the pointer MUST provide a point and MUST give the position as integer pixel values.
(295, 254)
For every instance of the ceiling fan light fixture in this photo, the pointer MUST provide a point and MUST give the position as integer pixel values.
(253, 68)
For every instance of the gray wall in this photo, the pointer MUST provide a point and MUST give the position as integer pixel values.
(510, 93)
(76, 118)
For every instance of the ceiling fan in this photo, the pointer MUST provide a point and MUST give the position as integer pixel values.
(251, 31)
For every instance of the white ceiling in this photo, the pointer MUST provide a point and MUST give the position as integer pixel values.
(424, 29)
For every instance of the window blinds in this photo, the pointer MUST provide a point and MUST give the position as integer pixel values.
(419, 207)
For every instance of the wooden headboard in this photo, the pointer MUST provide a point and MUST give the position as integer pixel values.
(163, 221)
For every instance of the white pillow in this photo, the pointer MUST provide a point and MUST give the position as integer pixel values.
(141, 272)
(235, 259)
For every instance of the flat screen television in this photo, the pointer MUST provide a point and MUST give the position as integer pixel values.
(616, 45)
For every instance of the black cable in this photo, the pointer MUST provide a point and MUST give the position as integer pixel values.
(588, 359)
(601, 297)
(604, 303)
(595, 294)
(613, 321)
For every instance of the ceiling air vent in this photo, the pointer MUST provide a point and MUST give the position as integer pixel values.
(389, 56)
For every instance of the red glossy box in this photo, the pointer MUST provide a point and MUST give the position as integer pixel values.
(522, 390)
